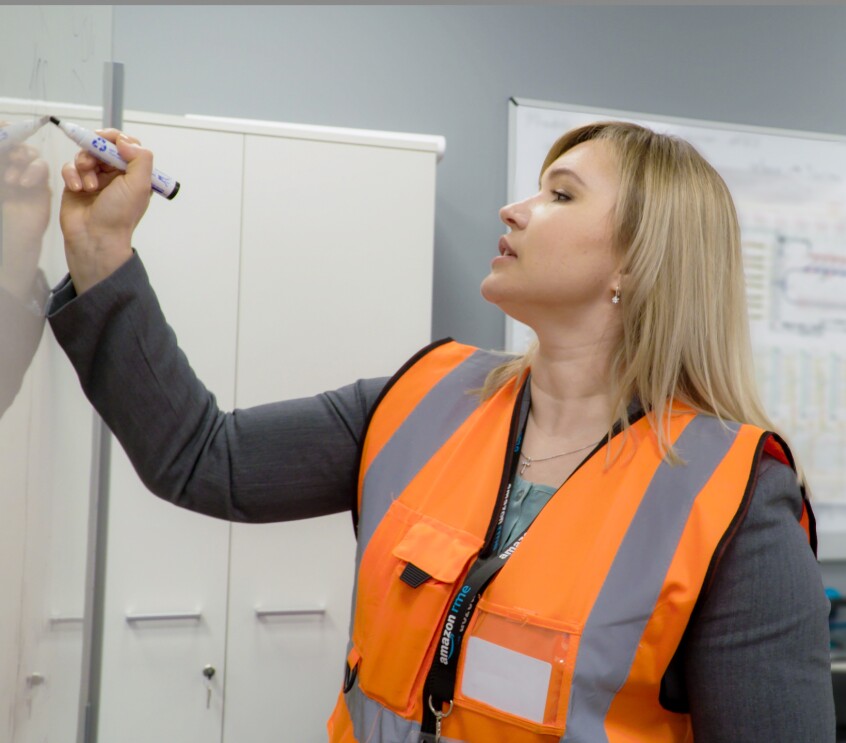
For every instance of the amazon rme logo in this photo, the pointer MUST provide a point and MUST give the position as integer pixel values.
(447, 641)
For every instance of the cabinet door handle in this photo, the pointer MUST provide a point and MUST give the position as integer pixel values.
(58, 620)
(268, 613)
(194, 616)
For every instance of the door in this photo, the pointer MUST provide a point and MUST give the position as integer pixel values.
(167, 569)
(336, 284)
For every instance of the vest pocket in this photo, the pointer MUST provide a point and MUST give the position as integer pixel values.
(517, 667)
(396, 619)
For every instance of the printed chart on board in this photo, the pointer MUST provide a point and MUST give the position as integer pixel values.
(790, 192)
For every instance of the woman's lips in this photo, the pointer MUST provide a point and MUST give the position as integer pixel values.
(505, 248)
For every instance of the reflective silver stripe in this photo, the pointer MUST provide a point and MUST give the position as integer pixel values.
(372, 723)
(633, 584)
(426, 429)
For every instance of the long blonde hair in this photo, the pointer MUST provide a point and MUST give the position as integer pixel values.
(685, 331)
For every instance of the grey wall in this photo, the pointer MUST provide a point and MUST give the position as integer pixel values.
(451, 69)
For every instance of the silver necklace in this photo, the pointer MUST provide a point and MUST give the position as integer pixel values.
(531, 460)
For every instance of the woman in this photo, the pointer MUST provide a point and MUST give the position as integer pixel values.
(603, 543)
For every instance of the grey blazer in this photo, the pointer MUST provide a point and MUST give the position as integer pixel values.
(754, 664)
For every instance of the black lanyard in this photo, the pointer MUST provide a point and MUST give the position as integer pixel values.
(440, 683)
(441, 680)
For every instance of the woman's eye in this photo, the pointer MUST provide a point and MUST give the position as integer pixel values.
(561, 196)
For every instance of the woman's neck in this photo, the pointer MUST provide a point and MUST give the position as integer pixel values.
(571, 391)
(570, 413)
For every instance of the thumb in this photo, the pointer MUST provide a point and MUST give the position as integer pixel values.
(139, 163)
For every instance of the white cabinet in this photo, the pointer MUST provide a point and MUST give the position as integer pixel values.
(336, 275)
(294, 260)
(162, 560)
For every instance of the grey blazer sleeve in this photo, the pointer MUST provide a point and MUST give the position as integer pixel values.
(756, 660)
(276, 462)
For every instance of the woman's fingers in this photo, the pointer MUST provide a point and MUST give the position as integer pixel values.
(82, 174)
(87, 181)
(113, 134)
(85, 161)
(71, 177)
(89, 170)
(139, 164)
(90, 181)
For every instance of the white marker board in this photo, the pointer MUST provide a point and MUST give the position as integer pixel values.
(790, 191)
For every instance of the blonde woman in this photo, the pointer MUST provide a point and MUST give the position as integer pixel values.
(599, 541)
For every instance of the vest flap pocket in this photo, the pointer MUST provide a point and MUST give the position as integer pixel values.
(399, 610)
(437, 549)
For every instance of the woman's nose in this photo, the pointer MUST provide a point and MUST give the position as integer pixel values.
(514, 215)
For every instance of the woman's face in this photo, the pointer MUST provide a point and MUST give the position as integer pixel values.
(557, 262)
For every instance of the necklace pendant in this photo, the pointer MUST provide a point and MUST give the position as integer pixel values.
(526, 464)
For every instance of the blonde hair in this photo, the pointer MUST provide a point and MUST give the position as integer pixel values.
(685, 330)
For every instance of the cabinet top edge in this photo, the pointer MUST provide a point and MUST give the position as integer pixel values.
(396, 140)
(405, 140)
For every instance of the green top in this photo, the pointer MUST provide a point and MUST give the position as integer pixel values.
(524, 504)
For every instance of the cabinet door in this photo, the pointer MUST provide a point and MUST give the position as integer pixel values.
(336, 284)
(162, 560)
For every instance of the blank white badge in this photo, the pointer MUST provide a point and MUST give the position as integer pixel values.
(510, 681)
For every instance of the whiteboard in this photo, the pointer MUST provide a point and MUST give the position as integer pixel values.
(789, 188)
(48, 53)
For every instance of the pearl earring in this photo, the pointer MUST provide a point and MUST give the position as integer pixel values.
(616, 298)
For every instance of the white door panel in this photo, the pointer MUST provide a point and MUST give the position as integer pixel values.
(284, 669)
(336, 284)
(162, 560)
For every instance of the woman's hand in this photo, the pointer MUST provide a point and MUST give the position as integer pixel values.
(101, 206)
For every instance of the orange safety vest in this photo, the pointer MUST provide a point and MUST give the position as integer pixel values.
(569, 642)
